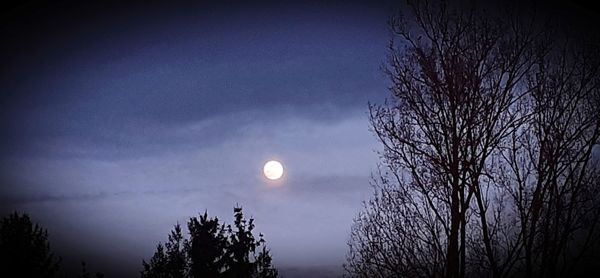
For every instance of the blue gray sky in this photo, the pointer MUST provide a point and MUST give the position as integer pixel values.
(120, 120)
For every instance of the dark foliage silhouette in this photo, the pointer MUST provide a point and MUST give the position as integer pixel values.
(488, 166)
(213, 249)
(24, 249)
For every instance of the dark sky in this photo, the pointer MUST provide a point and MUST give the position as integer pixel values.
(120, 120)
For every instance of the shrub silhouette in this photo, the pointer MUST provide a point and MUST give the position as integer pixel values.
(212, 250)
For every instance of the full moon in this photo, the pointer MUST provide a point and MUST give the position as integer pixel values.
(273, 170)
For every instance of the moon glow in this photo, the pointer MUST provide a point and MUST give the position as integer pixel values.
(273, 170)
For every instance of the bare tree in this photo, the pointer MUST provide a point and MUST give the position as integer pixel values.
(476, 101)
(550, 174)
(397, 235)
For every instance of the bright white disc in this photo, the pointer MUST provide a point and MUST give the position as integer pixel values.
(273, 170)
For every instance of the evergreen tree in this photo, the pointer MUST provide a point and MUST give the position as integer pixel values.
(24, 249)
(212, 250)
(158, 265)
(207, 246)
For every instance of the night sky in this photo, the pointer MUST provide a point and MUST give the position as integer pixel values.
(119, 121)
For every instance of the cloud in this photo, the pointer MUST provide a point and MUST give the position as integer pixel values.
(327, 167)
(129, 84)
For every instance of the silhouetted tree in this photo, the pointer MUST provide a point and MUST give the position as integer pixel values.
(487, 148)
(24, 249)
(176, 253)
(212, 250)
(242, 258)
(547, 166)
(207, 246)
(158, 265)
